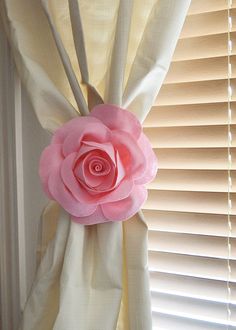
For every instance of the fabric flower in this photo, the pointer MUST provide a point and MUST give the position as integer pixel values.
(96, 166)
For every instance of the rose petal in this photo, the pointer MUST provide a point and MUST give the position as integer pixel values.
(130, 154)
(77, 124)
(62, 195)
(117, 119)
(98, 166)
(104, 196)
(90, 146)
(127, 207)
(82, 173)
(96, 217)
(101, 182)
(78, 191)
(120, 169)
(91, 131)
(71, 182)
(151, 165)
(67, 173)
(83, 194)
(50, 160)
(120, 192)
(108, 182)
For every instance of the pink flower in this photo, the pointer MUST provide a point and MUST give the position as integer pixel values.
(96, 166)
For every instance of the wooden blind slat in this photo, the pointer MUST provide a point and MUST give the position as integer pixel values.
(194, 287)
(195, 92)
(192, 308)
(193, 180)
(173, 322)
(207, 24)
(197, 159)
(197, 137)
(197, 245)
(205, 6)
(198, 202)
(190, 115)
(204, 47)
(199, 70)
(202, 267)
(189, 223)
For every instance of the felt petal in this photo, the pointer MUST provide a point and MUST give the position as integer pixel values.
(80, 192)
(76, 124)
(117, 119)
(81, 168)
(98, 166)
(63, 196)
(95, 218)
(151, 159)
(107, 183)
(130, 153)
(104, 196)
(120, 192)
(106, 147)
(50, 160)
(126, 208)
(100, 182)
(119, 169)
(92, 196)
(70, 181)
(90, 132)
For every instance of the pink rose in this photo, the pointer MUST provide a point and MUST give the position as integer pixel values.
(96, 166)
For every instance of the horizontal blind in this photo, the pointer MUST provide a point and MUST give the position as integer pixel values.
(192, 225)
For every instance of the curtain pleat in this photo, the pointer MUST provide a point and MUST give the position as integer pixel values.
(153, 54)
(38, 62)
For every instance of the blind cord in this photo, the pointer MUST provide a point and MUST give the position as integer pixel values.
(229, 166)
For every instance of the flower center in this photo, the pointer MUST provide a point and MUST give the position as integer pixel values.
(99, 166)
(96, 166)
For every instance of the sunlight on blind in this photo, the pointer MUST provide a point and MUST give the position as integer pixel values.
(230, 139)
(191, 209)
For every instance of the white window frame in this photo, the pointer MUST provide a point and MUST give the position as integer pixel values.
(12, 240)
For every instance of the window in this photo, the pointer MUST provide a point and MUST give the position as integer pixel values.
(191, 210)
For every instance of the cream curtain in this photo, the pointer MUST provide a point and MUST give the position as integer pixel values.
(70, 54)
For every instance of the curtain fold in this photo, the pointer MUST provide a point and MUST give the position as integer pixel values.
(71, 55)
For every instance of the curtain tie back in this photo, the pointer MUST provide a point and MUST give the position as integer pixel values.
(96, 166)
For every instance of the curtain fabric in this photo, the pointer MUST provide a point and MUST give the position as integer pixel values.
(70, 54)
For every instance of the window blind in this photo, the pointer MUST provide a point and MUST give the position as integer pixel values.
(191, 209)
